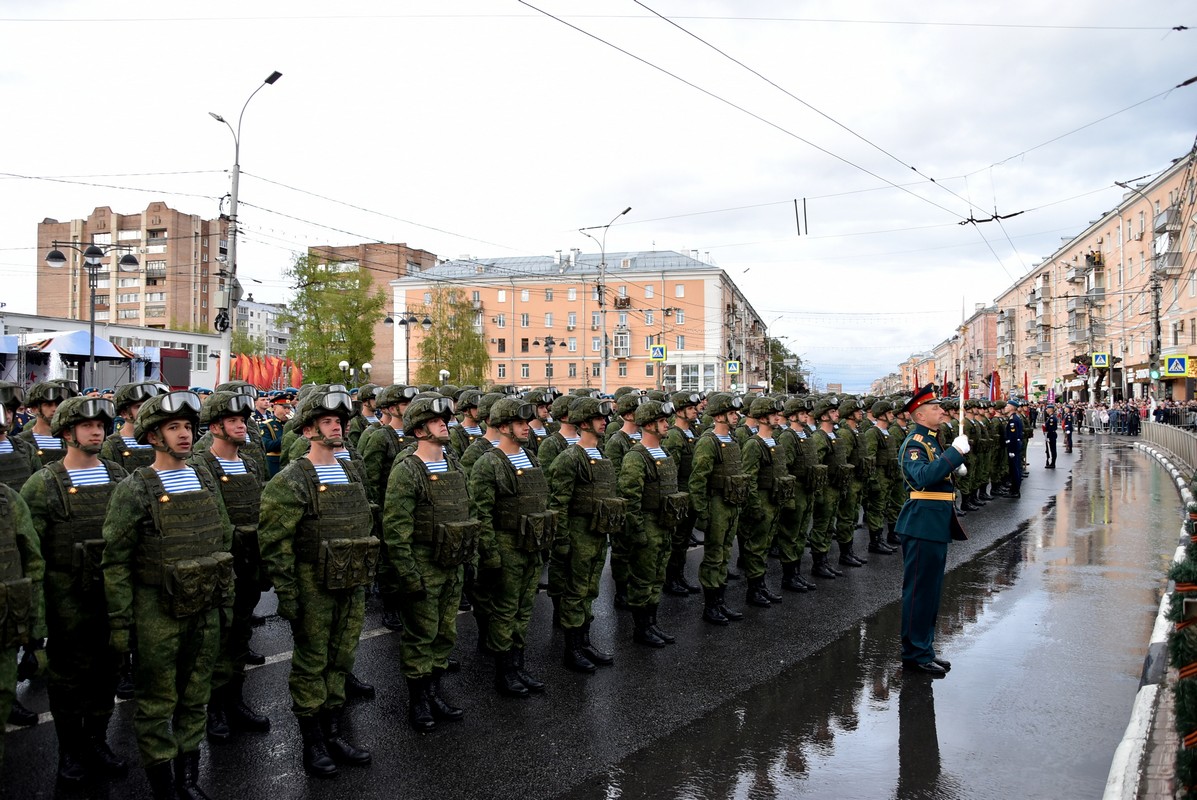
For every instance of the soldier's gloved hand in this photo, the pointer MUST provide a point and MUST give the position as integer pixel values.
(1011, 455)
(118, 639)
(288, 608)
(961, 444)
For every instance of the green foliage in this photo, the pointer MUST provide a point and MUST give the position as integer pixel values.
(333, 315)
(785, 379)
(250, 345)
(451, 342)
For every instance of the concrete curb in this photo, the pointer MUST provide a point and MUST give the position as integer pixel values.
(1127, 768)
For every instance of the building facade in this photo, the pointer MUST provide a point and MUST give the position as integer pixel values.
(178, 282)
(263, 322)
(665, 319)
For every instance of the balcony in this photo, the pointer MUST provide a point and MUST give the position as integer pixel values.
(1097, 294)
(1168, 220)
(1030, 326)
(1171, 263)
(1033, 298)
(1097, 329)
(1076, 274)
(1032, 351)
(1075, 304)
(1077, 335)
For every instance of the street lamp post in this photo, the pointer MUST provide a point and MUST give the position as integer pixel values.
(602, 288)
(406, 323)
(224, 315)
(1154, 367)
(550, 344)
(92, 256)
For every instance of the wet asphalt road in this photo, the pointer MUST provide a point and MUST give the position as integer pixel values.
(1047, 612)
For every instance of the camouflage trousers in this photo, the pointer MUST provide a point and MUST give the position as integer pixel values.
(325, 636)
(898, 493)
(647, 563)
(756, 535)
(822, 526)
(235, 636)
(848, 512)
(621, 550)
(679, 545)
(792, 523)
(82, 674)
(174, 664)
(430, 623)
(390, 587)
(508, 601)
(582, 554)
(876, 503)
(8, 688)
(724, 520)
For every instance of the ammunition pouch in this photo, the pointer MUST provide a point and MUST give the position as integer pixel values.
(347, 563)
(818, 478)
(867, 468)
(194, 585)
(607, 516)
(674, 508)
(536, 531)
(85, 565)
(840, 473)
(16, 612)
(454, 543)
(783, 489)
(732, 488)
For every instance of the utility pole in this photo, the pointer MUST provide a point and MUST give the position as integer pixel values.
(1156, 291)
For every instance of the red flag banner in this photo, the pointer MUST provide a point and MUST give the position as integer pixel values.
(296, 376)
(966, 377)
(916, 381)
(1026, 388)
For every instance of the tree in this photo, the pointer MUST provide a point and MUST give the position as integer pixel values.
(332, 317)
(786, 379)
(250, 345)
(452, 342)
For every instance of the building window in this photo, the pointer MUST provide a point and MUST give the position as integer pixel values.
(548, 370)
(101, 238)
(648, 316)
(548, 320)
(200, 358)
(133, 297)
(548, 295)
(596, 344)
(648, 292)
(573, 344)
(476, 296)
(523, 345)
(594, 294)
(502, 371)
(679, 316)
(427, 298)
(648, 370)
(127, 283)
(101, 299)
(595, 369)
(623, 291)
(623, 345)
(689, 378)
(595, 320)
(571, 319)
(524, 371)
(502, 296)
(679, 290)
(623, 319)
(571, 293)
(127, 313)
(708, 377)
(101, 316)
(681, 342)
(502, 345)
(501, 321)
(573, 369)
(523, 320)
(649, 341)
(623, 369)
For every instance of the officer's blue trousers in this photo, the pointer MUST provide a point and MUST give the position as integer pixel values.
(922, 585)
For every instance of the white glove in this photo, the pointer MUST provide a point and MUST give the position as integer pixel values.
(961, 444)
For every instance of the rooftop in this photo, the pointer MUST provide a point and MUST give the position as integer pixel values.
(574, 264)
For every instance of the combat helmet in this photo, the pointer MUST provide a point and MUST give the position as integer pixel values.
(584, 409)
(881, 408)
(848, 405)
(682, 400)
(656, 394)
(795, 406)
(11, 395)
(48, 392)
(560, 407)
(510, 409)
(367, 392)
(424, 409)
(468, 399)
(629, 402)
(485, 402)
(238, 387)
(764, 406)
(162, 408)
(319, 403)
(722, 402)
(221, 404)
(133, 393)
(538, 397)
(652, 410)
(75, 410)
(394, 394)
(622, 390)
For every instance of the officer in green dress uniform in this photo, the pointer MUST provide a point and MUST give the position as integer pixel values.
(271, 431)
(927, 524)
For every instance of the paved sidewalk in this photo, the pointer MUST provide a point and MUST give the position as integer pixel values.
(1159, 774)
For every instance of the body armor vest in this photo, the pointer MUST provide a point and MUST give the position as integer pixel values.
(46, 455)
(661, 480)
(727, 471)
(14, 466)
(685, 458)
(446, 500)
(131, 458)
(182, 526)
(600, 484)
(773, 468)
(242, 494)
(10, 558)
(339, 511)
(531, 495)
(76, 516)
(804, 452)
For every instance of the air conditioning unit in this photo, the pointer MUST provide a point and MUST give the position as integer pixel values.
(494, 340)
(1139, 236)
(668, 312)
(570, 327)
(594, 327)
(494, 319)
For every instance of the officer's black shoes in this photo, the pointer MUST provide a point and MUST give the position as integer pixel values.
(731, 614)
(710, 611)
(535, 686)
(256, 620)
(667, 638)
(124, 679)
(442, 709)
(574, 658)
(848, 557)
(507, 682)
(70, 767)
(878, 545)
(419, 711)
(254, 658)
(820, 568)
(356, 689)
(755, 595)
(218, 721)
(597, 657)
(641, 633)
(97, 754)
(341, 749)
(19, 715)
(316, 760)
(187, 777)
(929, 668)
(944, 663)
(621, 597)
(391, 619)
(162, 783)
(238, 715)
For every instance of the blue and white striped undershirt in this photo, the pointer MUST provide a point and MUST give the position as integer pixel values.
(657, 452)
(689, 434)
(47, 442)
(343, 455)
(331, 473)
(91, 476)
(132, 444)
(520, 460)
(234, 467)
(5, 447)
(634, 436)
(178, 481)
(539, 432)
(769, 441)
(371, 420)
(572, 439)
(472, 430)
(398, 432)
(724, 439)
(437, 466)
(593, 452)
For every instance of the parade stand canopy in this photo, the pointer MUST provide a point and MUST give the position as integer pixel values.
(75, 344)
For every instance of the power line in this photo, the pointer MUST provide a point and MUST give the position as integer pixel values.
(107, 186)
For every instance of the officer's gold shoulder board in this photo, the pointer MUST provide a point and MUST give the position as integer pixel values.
(918, 437)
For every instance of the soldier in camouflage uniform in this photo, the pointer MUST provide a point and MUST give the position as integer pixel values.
(67, 501)
(485, 442)
(122, 446)
(718, 489)
(898, 492)
(240, 481)
(429, 535)
(43, 400)
(649, 484)
(882, 450)
(509, 498)
(861, 470)
(679, 444)
(18, 458)
(794, 518)
(366, 416)
(540, 400)
(582, 490)
(315, 533)
(553, 445)
(252, 447)
(770, 486)
(615, 447)
(167, 572)
(463, 435)
(826, 502)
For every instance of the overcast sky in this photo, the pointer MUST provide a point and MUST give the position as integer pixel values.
(491, 129)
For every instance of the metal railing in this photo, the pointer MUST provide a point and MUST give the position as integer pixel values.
(1181, 443)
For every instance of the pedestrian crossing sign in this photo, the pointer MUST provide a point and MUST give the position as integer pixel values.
(1176, 366)
(1101, 360)
(733, 368)
(657, 352)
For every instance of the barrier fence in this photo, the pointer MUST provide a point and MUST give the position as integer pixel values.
(1178, 441)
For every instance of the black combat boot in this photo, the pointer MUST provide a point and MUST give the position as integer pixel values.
(770, 595)
(820, 568)
(21, 716)
(966, 502)
(238, 714)
(71, 769)
(507, 682)
(985, 494)
(442, 709)
(754, 595)
(848, 557)
(641, 633)
(254, 658)
(961, 511)
(574, 658)
(517, 660)
(673, 585)
(690, 587)
(162, 783)
(892, 537)
(597, 657)
(710, 611)
(341, 749)
(356, 689)
(667, 638)
(124, 678)
(731, 614)
(419, 712)
(96, 752)
(218, 721)
(790, 580)
(391, 619)
(187, 777)
(621, 597)
(877, 545)
(316, 760)
(978, 500)
(556, 611)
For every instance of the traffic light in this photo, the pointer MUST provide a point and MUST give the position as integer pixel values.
(1155, 370)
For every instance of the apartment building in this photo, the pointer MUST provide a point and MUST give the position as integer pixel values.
(705, 333)
(177, 283)
(263, 321)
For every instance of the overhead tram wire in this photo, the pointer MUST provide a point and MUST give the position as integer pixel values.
(110, 186)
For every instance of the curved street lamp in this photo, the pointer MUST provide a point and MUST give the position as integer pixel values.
(602, 286)
(406, 322)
